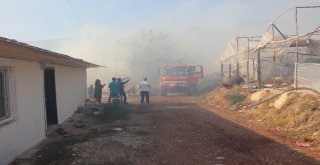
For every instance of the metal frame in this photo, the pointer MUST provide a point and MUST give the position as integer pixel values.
(297, 34)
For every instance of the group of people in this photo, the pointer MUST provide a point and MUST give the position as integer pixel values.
(116, 87)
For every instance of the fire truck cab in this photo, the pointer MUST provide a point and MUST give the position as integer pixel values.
(180, 78)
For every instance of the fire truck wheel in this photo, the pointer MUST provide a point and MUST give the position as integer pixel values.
(189, 92)
(192, 90)
(164, 92)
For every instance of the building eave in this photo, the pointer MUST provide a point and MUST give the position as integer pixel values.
(17, 50)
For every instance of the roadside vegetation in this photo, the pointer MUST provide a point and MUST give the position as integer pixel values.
(293, 114)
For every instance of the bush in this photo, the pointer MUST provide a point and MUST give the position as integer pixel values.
(235, 98)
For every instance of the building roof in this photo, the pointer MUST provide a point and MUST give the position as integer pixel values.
(13, 49)
(176, 65)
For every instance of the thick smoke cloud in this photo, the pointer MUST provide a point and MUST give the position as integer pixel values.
(148, 51)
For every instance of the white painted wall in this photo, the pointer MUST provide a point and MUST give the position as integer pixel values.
(29, 127)
(71, 90)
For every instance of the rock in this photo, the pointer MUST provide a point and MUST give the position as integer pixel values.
(283, 99)
(97, 113)
(70, 120)
(258, 96)
(264, 94)
(60, 130)
(80, 126)
(80, 107)
(220, 158)
(117, 129)
(303, 144)
(268, 85)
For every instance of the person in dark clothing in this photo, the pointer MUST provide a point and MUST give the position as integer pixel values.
(98, 90)
(121, 83)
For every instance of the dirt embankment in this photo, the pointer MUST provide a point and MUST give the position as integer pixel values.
(293, 116)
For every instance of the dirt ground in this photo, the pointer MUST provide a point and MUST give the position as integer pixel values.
(174, 130)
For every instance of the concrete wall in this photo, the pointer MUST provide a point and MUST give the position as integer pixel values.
(71, 90)
(28, 128)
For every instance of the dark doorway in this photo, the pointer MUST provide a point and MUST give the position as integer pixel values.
(50, 97)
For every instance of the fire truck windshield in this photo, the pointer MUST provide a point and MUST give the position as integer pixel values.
(175, 71)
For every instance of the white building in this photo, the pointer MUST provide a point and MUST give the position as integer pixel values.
(38, 88)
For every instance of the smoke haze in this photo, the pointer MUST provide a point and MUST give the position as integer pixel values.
(191, 31)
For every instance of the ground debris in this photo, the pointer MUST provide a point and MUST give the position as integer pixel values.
(77, 125)
(303, 144)
(117, 129)
(60, 130)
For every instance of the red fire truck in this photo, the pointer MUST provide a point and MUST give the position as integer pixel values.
(179, 78)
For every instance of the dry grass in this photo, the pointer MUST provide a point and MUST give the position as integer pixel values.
(301, 110)
(226, 97)
(298, 115)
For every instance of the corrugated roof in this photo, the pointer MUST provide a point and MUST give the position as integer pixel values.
(13, 49)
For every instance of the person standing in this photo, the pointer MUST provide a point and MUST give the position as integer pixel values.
(90, 91)
(114, 89)
(98, 90)
(145, 89)
(121, 83)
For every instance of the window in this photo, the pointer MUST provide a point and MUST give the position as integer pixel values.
(175, 71)
(5, 93)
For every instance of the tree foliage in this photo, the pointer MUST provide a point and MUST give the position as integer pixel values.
(149, 51)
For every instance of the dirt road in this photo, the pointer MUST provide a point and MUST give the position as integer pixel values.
(175, 130)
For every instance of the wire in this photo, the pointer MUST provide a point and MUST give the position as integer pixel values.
(67, 14)
(80, 22)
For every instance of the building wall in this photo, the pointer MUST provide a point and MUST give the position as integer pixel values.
(71, 90)
(29, 127)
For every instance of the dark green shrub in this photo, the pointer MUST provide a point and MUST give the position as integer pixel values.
(235, 98)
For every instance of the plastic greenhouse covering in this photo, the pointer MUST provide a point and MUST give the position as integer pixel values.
(307, 77)
(278, 52)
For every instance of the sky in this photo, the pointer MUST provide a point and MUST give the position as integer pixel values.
(93, 30)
